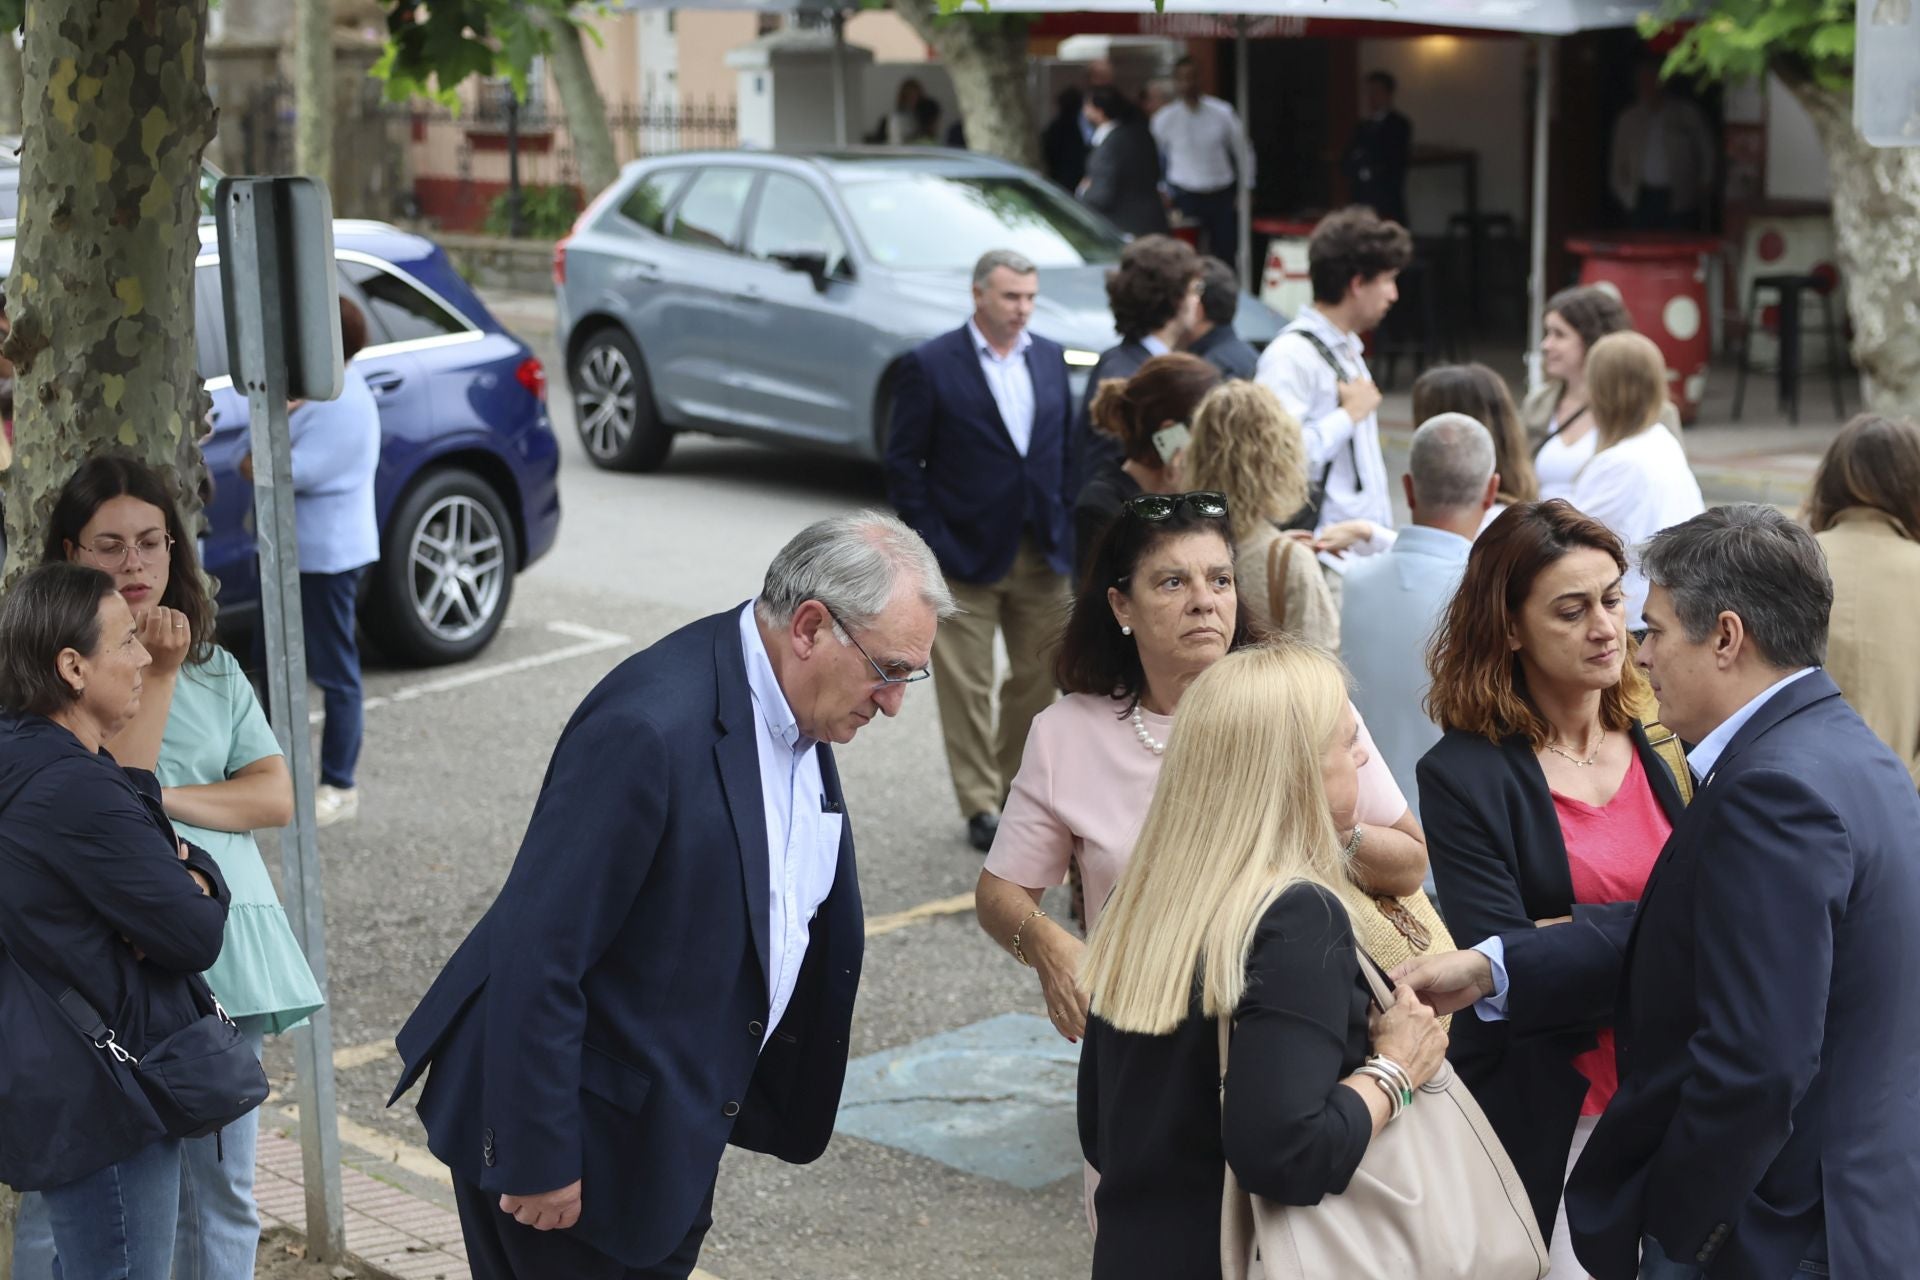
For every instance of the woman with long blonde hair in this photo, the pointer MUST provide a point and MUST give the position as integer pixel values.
(1246, 445)
(1229, 908)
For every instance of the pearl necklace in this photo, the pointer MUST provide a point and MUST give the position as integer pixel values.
(1147, 740)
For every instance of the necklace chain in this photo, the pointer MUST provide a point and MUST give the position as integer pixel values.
(1147, 740)
(1576, 760)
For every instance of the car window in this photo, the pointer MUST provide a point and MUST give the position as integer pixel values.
(209, 324)
(790, 217)
(929, 221)
(646, 205)
(709, 213)
(402, 310)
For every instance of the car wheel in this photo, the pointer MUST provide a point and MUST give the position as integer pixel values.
(443, 582)
(613, 405)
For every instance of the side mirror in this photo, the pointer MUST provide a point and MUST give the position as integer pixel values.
(812, 262)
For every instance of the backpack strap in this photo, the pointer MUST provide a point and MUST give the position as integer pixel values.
(1340, 375)
(1279, 551)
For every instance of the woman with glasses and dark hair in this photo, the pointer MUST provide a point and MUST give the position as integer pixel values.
(200, 729)
(1545, 792)
(99, 898)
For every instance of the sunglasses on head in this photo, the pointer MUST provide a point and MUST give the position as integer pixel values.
(1206, 503)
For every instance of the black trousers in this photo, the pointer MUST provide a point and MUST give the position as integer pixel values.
(498, 1248)
(1218, 214)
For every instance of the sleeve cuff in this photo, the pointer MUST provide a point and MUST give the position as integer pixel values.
(1494, 1007)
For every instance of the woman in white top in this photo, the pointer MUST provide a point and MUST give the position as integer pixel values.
(1557, 412)
(1638, 481)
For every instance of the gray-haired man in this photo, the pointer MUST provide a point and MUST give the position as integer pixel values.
(977, 463)
(670, 966)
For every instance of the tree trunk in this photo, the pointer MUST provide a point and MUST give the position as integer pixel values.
(1876, 220)
(11, 81)
(101, 293)
(313, 89)
(580, 98)
(986, 54)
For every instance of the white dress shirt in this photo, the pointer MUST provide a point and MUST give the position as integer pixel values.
(1295, 372)
(1203, 146)
(803, 840)
(1637, 488)
(1011, 383)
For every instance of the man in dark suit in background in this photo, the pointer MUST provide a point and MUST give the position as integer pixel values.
(670, 966)
(976, 462)
(1766, 993)
(1213, 337)
(1123, 166)
(1376, 159)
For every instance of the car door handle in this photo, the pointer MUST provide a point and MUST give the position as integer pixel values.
(751, 293)
(384, 384)
(645, 272)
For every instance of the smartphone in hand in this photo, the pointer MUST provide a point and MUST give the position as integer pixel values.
(1169, 441)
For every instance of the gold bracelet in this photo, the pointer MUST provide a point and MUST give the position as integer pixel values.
(1018, 954)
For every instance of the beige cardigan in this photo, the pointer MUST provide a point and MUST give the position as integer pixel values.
(1310, 613)
(1875, 624)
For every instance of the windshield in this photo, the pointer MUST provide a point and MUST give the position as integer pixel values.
(926, 221)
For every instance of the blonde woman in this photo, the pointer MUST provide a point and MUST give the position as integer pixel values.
(1638, 482)
(1229, 907)
(1247, 446)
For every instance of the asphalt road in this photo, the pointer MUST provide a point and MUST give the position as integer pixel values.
(452, 762)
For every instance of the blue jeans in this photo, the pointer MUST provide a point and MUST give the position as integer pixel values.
(328, 607)
(1656, 1265)
(117, 1223)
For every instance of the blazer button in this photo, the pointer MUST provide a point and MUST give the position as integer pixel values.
(486, 1147)
(730, 1110)
(756, 1029)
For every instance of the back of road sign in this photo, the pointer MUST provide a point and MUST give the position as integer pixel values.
(294, 273)
(1886, 72)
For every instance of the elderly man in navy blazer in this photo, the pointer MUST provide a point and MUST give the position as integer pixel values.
(1766, 991)
(670, 966)
(977, 463)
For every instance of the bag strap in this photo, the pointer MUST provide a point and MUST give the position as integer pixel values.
(1666, 744)
(1571, 419)
(1279, 552)
(1339, 375)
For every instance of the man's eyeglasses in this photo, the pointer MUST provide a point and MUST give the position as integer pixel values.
(902, 673)
(1207, 503)
(152, 549)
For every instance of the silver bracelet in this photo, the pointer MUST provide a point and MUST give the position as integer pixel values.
(1396, 1101)
(1353, 843)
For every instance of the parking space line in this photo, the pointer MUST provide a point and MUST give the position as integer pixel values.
(899, 920)
(589, 640)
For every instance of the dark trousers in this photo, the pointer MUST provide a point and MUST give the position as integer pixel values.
(328, 607)
(498, 1248)
(1218, 217)
(1653, 211)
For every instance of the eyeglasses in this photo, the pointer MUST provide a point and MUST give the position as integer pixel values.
(909, 678)
(151, 549)
(1206, 503)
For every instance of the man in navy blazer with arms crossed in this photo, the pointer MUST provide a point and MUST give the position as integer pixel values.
(1766, 992)
(670, 966)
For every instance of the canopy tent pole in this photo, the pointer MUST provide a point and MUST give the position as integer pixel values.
(1548, 48)
(1243, 198)
(839, 78)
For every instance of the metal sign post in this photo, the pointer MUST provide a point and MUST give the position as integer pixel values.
(280, 318)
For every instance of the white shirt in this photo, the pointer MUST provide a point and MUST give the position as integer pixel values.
(1100, 132)
(1557, 464)
(1637, 488)
(803, 840)
(1295, 372)
(1154, 346)
(1011, 383)
(1204, 146)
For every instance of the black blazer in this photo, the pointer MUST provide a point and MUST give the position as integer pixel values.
(953, 472)
(1500, 863)
(1123, 179)
(604, 1019)
(89, 870)
(1092, 453)
(1769, 1016)
(1375, 163)
(1154, 1123)
(1224, 348)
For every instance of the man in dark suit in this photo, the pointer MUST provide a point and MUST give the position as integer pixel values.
(670, 966)
(1123, 167)
(976, 462)
(1376, 158)
(1213, 337)
(1766, 992)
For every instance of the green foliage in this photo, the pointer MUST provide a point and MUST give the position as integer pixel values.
(13, 15)
(431, 49)
(546, 213)
(1741, 39)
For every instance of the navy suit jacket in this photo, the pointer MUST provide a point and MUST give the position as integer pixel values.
(952, 470)
(1768, 1019)
(604, 1019)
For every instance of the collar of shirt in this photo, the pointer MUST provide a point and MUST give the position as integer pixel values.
(1707, 753)
(1436, 544)
(769, 699)
(1154, 346)
(985, 351)
(1342, 342)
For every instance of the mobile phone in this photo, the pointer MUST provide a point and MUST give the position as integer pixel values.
(1170, 440)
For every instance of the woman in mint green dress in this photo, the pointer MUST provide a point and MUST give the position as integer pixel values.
(222, 776)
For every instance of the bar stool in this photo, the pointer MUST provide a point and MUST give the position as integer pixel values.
(1788, 290)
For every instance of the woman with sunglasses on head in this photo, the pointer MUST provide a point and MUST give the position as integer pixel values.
(200, 729)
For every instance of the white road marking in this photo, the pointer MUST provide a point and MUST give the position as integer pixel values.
(590, 640)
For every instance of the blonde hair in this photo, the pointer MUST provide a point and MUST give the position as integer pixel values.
(1626, 385)
(1246, 445)
(1240, 814)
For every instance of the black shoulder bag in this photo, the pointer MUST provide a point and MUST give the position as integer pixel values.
(1308, 516)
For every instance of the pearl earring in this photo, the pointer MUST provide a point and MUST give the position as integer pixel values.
(1126, 631)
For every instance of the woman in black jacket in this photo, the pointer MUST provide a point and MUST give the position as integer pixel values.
(96, 895)
(1228, 908)
(1546, 792)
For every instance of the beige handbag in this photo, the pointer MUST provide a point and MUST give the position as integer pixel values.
(1435, 1198)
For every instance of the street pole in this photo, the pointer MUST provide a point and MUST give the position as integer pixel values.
(515, 227)
(1243, 96)
(1547, 48)
(839, 78)
(313, 89)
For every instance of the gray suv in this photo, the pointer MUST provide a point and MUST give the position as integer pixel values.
(771, 296)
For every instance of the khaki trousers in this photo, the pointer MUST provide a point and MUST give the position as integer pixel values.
(1028, 607)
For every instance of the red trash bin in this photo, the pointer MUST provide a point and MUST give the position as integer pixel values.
(1661, 279)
